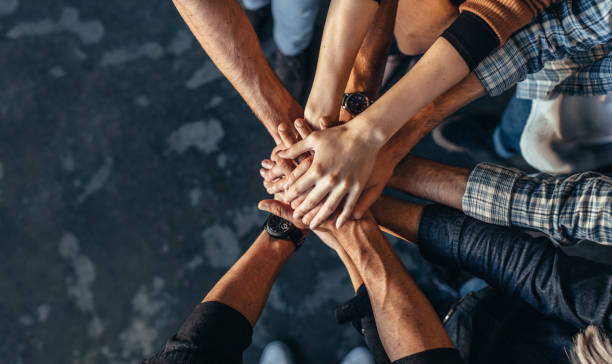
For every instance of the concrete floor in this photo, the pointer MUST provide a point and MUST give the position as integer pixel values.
(128, 185)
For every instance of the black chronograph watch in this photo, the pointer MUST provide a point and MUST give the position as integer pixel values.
(355, 103)
(280, 228)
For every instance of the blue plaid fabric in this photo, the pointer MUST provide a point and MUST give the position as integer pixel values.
(567, 49)
(567, 208)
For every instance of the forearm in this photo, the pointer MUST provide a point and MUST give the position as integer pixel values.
(440, 68)
(345, 28)
(431, 180)
(397, 217)
(369, 66)
(406, 322)
(245, 287)
(226, 35)
(466, 91)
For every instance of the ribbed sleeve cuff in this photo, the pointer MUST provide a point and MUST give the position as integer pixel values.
(439, 233)
(472, 37)
(488, 196)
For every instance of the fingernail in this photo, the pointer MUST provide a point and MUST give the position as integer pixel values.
(282, 127)
(298, 123)
(260, 205)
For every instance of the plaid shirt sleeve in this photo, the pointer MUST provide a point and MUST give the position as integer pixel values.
(567, 208)
(579, 31)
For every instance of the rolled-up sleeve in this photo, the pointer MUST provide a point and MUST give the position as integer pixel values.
(214, 333)
(573, 289)
(566, 208)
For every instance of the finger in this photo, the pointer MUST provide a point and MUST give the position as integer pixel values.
(286, 135)
(298, 172)
(325, 123)
(281, 210)
(302, 127)
(314, 197)
(298, 148)
(365, 201)
(267, 163)
(351, 200)
(298, 200)
(330, 205)
(307, 219)
(304, 183)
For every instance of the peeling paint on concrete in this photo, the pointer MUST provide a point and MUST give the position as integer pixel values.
(203, 75)
(246, 219)
(202, 135)
(8, 6)
(221, 246)
(195, 194)
(97, 181)
(149, 316)
(79, 285)
(150, 50)
(89, 32)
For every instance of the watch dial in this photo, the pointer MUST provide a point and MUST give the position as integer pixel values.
(356, 103)
(279, 225)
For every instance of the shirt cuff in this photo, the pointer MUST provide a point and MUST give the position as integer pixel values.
(488, 196)
(439, 233)
(440, 355)
(472, 37)
(215, 324)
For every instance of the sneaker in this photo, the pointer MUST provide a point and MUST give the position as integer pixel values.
(359, 355)
(258, 17)
(276, 352)
(292, 71)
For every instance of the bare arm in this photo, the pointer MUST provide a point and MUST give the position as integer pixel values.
(346, 26)
(407, 323)
(431, 180)
(226, 35)
(245, 287)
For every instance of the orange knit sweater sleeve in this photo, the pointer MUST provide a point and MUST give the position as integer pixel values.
(505, 16)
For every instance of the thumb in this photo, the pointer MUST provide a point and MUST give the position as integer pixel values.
(281, 210)
(296, 149)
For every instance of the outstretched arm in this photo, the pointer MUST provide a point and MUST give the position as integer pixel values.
(567, 208)
(224, 31)
(219, 329)
(573, 289)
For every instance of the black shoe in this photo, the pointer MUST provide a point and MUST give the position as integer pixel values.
(258, 18)
(292, 71)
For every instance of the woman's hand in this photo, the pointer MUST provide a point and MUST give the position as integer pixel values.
(344, 157)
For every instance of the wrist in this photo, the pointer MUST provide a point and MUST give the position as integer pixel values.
(368, 132)
(280, 249)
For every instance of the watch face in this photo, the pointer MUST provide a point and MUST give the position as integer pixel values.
(279, 225)
(356, 103)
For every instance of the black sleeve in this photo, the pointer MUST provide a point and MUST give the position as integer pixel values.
(433, 356)
(214, 333)
(472, 37)
(573, 289)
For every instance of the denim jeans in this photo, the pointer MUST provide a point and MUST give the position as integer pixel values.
(507, 135)
(294, 22)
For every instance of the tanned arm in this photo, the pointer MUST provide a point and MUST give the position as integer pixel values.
(245, 287)
(407, 323)
(224, 31)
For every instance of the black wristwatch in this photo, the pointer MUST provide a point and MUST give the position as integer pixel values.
(280, 228)
(355, 103)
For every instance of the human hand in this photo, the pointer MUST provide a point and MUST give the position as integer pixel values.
(344, 158)
(325, 231)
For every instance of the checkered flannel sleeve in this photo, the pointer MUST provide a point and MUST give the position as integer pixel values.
(567, 208)
(576, 34)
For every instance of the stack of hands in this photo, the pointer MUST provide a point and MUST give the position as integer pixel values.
(320, 175)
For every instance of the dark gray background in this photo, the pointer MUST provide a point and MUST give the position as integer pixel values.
(128, 185)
